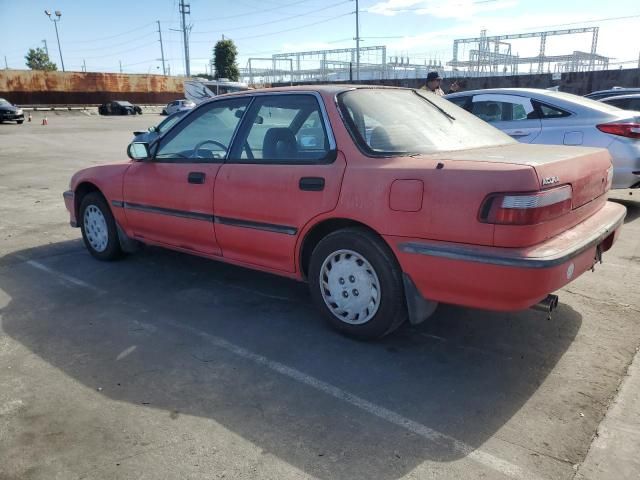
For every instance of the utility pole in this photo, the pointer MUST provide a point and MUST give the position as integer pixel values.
(55, 24)
(46, 49)
(357, 39)
(164, 71)
(84, 66)
(185, 9)
(6, 65)
(120, 65)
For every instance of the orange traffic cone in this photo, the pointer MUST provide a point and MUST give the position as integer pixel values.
(44, 121)
(29, 117)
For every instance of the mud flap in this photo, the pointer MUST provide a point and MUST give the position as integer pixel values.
(419, 308)
(127, 244)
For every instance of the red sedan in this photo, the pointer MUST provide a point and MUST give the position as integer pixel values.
(387, 201)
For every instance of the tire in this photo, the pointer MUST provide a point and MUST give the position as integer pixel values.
(20, 122)
(164, 112)
(364, 269)
(101, 235)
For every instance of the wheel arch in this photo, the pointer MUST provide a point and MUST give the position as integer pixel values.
(320, 230)
(81, 191)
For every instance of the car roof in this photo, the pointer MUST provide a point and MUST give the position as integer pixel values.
(512, 91)
(564, 100)
(618, 89)
(621, 97)
(322, 88)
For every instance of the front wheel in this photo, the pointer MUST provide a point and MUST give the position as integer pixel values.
(357, 283)
(20, 122)
(98, 227)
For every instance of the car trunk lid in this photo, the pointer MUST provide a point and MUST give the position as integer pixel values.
(586, 169)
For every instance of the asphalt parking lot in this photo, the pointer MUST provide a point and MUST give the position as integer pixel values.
(164, 365)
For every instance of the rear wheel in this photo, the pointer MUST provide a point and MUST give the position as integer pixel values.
(357, 283)
(98, 227)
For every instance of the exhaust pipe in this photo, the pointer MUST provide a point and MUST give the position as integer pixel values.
(547, 305)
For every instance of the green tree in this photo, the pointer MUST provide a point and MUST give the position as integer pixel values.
(224, 59)
(37, 59)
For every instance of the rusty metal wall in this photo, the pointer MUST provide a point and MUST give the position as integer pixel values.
(28, 87)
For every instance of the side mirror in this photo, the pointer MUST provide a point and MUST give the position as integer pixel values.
(153, 129)
(138, 151)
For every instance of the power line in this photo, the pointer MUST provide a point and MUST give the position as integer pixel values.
(608, 19)
(275, 21)
(103, 47)
(111, 36)
(284, 31)
(137, 47)
(426, 7)
(254, 11)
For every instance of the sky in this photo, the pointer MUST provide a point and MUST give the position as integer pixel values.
(107, 34)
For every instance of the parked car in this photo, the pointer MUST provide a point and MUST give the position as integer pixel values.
(387, 201)
(177, 106)
(626, 102)
(119, 107)
(612, 92)
(154, 132)
(557, 118)
(10, 112)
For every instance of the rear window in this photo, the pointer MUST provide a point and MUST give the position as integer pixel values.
(403, 121)
(583, 101)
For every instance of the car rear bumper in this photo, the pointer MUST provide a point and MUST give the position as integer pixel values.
(69, 202)
(626, 163)
(11, 116)
(507, 279)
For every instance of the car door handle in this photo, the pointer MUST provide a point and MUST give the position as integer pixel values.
(196, 177)
(519, 133)
(311, 184)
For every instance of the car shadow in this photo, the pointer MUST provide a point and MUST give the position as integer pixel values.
(464, 373)
(633, 208)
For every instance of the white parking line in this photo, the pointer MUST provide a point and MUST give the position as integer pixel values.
(488, 460)
(63, 276)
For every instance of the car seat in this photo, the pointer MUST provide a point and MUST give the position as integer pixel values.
(279, 144)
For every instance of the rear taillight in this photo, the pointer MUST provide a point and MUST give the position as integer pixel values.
(526, 208)
(626, 129)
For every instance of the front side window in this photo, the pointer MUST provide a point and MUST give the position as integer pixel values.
(402, 121)
(208, 134)
(284, 128)
(502, 108)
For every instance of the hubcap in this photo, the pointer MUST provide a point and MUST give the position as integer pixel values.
(95, 228)
(350, 287)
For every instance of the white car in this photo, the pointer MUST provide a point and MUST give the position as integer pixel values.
(178, 106)
(556, 118)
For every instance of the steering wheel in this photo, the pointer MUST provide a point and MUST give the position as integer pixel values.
(204, 142)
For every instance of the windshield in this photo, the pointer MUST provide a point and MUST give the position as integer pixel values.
(4, 102)
(397, 121)
(170, 121)
(124, 103)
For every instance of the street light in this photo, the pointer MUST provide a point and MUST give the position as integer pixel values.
(55, 21)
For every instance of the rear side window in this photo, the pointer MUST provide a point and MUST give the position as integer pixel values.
(619, 102)
(547, 111)
(386, 122)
